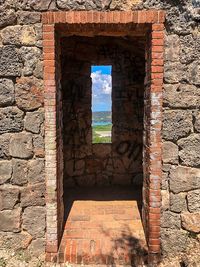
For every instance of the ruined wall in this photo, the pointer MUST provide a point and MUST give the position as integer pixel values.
(120, 162)
(22, 215)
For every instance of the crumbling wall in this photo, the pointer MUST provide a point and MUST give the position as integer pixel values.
(22, 215)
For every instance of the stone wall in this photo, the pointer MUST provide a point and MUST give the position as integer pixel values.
(22, 215)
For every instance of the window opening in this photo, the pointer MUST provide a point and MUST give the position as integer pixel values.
(101, 104)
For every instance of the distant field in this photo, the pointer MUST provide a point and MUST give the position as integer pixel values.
(101, 133)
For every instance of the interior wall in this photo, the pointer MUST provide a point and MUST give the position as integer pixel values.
(119, 163)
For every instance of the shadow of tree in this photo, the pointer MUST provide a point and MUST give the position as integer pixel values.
(127, 249)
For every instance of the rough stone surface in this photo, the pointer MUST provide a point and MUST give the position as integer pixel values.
(165, 199)
(184, 179)
(6, 92)
(33, 195)
(39, 5)
(33, 121)
(88, 4)
(19, 35)
(170, 220)
(178, 202)
(190, 221)
(194, 73)
(10, 62)
(193, 200)
(172, 48)
(21, 145)
(27, 17)
(15, 241)
(11, 119)
(37, 246)
(4, 145)
(174, 72)
(29, 93)
(170, 153)
(30, 57)
(181, 96)
(189, 150)
(5, 171)
(36, 171)
(197, 121)
(8, 17)
(10, 220)
(173, 241)
(34, 221)
(176, 124)
(8, 197)
(19, 176)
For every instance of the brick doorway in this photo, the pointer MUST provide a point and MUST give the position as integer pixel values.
(80, 182)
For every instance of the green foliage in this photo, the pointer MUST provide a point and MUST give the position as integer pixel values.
(96, 138)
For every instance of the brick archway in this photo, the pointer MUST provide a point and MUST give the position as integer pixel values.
(149, 23)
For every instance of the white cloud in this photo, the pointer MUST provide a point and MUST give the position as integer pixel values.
(101, 83)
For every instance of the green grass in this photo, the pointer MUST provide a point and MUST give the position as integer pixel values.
(96, 138)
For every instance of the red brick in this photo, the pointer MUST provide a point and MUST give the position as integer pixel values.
(157, 27)
(157, 42)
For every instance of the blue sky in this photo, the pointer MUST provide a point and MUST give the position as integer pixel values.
(101, 88)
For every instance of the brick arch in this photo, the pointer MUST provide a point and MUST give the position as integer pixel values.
(149, 23)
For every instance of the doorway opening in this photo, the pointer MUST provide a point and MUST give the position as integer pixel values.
(103, 180)
(69, 147)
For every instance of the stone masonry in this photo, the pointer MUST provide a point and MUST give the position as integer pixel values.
(23, 209)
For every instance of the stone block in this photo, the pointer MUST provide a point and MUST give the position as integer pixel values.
(181, 96)
(26, 17)
(170, 220)
(193, 201)
(178, 202)
(190, 221)
(30, 57)
(10, 220)
(174, 72)
(4, 145)
(33, 221)
(19, 35)
(6, 92)
(10, 61)
(29, 93)
(197, 121)
(15, 241)
(19, 176)
(38, 146)
(8, 16)
(36, 171)
(176, 124)
(37, 247)
(173, 241)
(189, 150)
(9, 196)
(11, 119)
(170, 153)
(165, 199)
(5, 171)
(33, 121)
(21, 146)
(172, 48)
(33, 195)
(38, 5)
(194, 73)
(183, 179)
